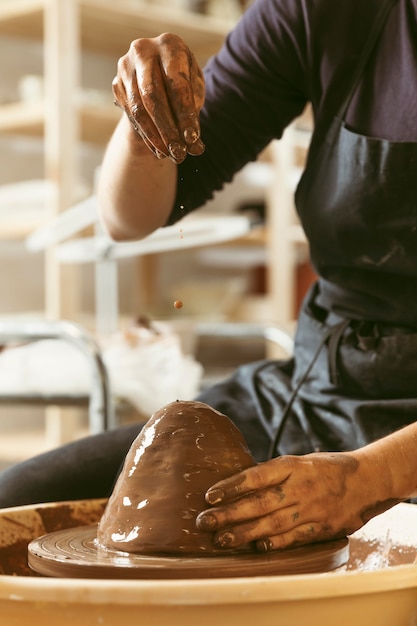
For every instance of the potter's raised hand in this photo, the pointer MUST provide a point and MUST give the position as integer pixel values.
(292, 500)
(160, 86)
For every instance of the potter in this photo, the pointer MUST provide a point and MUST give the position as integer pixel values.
(332, 429)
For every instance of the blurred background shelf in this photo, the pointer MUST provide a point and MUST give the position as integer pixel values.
(96, 122)
(69, 50)
(107, 26)
(67, 29)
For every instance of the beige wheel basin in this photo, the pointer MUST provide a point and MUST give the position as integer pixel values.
(378, 586)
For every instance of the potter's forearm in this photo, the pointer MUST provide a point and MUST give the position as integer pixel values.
(392, 463)
(136, 190)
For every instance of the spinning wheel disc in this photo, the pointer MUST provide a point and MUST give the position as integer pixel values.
(73, 553)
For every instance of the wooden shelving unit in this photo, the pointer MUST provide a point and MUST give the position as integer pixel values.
(286, 237)
(108, 27)
(67, 28)
(97, 122)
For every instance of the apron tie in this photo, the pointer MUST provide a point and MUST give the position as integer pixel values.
(333, 336)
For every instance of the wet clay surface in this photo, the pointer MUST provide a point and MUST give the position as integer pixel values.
(147, 528)
(74, 554)
(183, 449)
(371, 555)
(22, 526)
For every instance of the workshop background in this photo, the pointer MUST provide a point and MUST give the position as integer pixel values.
(57, 61)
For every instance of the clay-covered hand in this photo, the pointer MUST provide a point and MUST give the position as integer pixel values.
(293, 500)
(160, 86)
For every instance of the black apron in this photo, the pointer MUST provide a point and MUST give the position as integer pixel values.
(352, 379)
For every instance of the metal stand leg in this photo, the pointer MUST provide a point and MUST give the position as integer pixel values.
(101, 409)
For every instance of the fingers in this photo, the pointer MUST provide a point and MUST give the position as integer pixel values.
(263, 542)
(161, 88)
(151, 106)
(247, 508)
(286, 501)
(274, 531)
(131, 78)
(255, 517)
(260, 476)
(121, 97)
(185, 87)
(266, 527)
(237, 534)
(301, 535)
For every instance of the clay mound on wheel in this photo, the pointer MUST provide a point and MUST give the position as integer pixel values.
(183, 449)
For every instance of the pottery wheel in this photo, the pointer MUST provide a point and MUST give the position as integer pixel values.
(73, 553)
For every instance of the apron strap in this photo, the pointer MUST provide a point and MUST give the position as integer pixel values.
(378, 25)
(325, 131)
(333, 336)
(380, 19)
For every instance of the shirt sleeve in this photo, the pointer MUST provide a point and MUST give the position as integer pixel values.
(255, 86)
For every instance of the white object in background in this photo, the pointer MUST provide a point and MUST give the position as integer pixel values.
(146, 366)
(31, 88)
(31, 194)
(64, 225)
(149, 368)
(192, 231)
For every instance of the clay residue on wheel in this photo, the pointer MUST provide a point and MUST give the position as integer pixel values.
(20, 525)
(70, 514)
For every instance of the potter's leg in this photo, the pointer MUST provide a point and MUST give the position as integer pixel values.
(85, 468)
